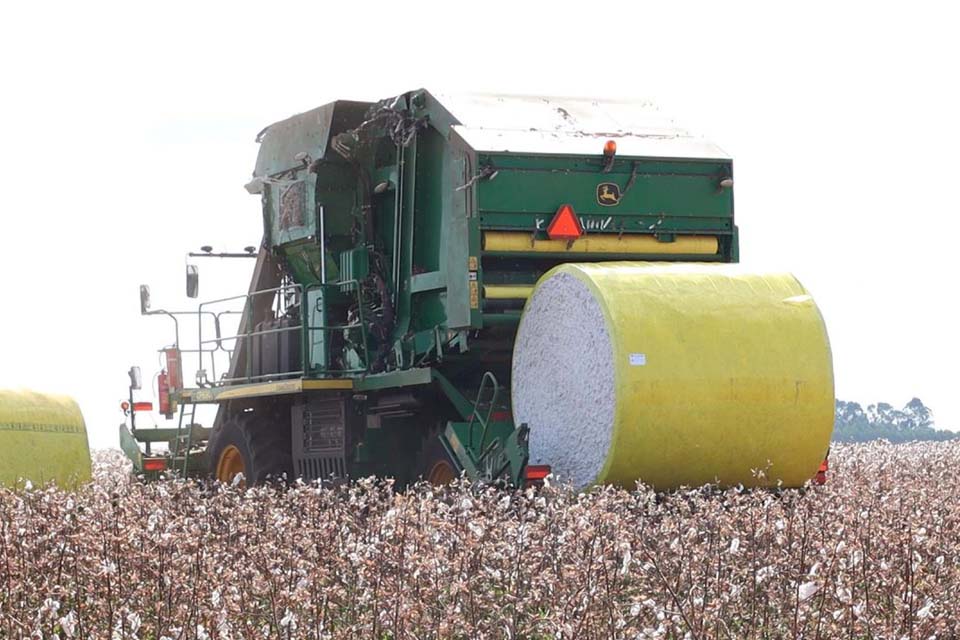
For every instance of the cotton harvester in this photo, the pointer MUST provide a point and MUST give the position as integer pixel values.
(498, 287)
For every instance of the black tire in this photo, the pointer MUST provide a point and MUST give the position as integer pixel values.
(262, 438)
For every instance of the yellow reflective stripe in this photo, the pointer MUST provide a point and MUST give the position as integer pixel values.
(520, 242)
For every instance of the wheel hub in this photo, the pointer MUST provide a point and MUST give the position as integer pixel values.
(441, 473)
(230, 464)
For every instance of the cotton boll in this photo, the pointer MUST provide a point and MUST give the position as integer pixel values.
(807, 590)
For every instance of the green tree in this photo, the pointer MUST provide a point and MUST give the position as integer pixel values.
(881, 421)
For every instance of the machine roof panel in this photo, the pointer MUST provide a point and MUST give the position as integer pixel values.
(556, 143)
(561, 125)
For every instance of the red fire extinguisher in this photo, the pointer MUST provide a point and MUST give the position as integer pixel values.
(163, 393)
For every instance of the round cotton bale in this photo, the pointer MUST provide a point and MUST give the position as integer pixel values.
(42, 438)
(674, 375)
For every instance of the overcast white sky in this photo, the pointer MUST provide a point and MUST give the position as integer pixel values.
(128, 135)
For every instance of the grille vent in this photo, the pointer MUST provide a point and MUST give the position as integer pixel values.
(320, 439)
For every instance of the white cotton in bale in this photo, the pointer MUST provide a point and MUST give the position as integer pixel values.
(563, 374)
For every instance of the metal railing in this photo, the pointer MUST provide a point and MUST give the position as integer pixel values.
(247, 336)
(208, 347)
(176, 327)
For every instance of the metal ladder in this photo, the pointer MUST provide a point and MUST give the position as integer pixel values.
(189, 438)
(475, 415)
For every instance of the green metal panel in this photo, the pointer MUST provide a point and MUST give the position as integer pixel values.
(394, 379)
(537, 189)
(430, 281)
(500, 456)
(611, 222)
(307, 132)
(408, 213)
(427, 243)
(303, 261)
(456, 227)
(131, 448)
(282, 174)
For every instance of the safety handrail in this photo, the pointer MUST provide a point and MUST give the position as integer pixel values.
(176, 323)
(248, 337)
(298, 290)
(262, 332)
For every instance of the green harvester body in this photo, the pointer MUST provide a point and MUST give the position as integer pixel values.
(400, 240)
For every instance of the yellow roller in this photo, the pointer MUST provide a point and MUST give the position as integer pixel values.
(717, 373)
(507, 291)
(42, 438)
(519, 242)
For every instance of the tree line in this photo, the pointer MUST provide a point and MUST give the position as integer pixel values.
(881, 421)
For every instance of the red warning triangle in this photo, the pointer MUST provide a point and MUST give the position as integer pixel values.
(565, 225)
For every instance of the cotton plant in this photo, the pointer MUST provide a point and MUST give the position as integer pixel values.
(873, 553)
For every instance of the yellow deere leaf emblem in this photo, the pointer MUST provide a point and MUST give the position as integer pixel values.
(608, 194)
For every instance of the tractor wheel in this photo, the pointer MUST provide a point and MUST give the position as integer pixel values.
(435, 465)
(254, 443)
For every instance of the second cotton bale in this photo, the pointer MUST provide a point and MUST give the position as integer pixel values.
(673, 374)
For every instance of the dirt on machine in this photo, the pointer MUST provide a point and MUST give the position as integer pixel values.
(495, 287)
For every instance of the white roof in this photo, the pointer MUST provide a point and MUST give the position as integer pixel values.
(579, 126)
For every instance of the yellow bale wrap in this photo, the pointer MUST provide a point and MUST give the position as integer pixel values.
(716, 372)
(42, 438)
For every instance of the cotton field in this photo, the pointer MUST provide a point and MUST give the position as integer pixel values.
(874, 553)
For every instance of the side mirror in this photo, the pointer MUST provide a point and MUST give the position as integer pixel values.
(144, 299)
(136, 380)
(193, 281)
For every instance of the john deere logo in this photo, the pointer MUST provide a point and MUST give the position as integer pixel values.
(608, 194)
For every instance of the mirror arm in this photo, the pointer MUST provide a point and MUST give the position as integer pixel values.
(172, 316)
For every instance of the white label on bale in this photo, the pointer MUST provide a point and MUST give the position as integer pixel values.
(638, 359)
